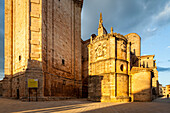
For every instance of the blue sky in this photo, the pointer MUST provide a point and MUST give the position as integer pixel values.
(1, 37)
(148, 18)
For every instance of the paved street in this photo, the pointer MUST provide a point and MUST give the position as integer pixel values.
(161, 105)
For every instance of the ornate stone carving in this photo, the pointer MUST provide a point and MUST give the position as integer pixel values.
(101, 50)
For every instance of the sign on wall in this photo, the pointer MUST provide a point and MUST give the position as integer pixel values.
(32, 83)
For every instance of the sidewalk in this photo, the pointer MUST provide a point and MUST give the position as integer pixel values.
(162, 99)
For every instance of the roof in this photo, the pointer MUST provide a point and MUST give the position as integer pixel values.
(146, 56)
(86, 41)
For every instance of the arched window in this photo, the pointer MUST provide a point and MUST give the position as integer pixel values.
(121, 67)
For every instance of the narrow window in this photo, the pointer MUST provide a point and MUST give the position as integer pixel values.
(121, 67)
(82, 59)
(63, 61)
(143, 64)
(59, 4)
(20, 58)
(153, 63)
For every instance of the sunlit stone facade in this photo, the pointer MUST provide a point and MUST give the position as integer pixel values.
(117, 72)
(43, 41)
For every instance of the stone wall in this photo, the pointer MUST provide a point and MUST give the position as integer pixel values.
(85, 68)
(149, 62)
(43, 41)
(16, 45)
(135, 41)
(167, 90)
(61, 39)
(141, 84)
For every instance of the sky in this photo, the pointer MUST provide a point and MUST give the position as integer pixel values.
(150, 19)
(1, 38)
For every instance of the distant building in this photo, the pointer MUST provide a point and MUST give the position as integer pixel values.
(117, 71)
(167, 90)
(160, 90)
(1, 89)
(164, 91)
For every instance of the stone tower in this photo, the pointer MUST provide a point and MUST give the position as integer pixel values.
(108, 66)
(43, 41)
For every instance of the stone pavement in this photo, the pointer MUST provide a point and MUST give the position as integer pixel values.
(161, 105)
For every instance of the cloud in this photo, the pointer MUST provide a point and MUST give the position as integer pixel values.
(164, 15)
(168, 47)
(151, 30)
(144, 17)
(1, 75)
(162, 69)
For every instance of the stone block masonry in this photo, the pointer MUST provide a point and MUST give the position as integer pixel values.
(43, 41)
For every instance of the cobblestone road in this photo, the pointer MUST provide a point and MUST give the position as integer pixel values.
(161, 105)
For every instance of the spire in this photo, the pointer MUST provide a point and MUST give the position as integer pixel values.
(111, 30)
(101, 29)
(100, 21)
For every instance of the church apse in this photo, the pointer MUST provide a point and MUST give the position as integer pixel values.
(108, 67)
(114, 68)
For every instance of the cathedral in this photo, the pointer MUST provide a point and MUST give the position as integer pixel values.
(46, 59)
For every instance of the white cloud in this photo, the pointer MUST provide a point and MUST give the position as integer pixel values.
(151, 29)
(168, 47)
(1, 75)
(164, 15)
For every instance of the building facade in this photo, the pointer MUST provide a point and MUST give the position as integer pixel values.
(164, 91)
(160, 90)
(43, 42)
(117, 71)
(167, 90)
(1, 89)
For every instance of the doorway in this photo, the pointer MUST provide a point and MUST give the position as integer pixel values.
(17, 93)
